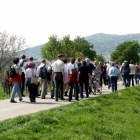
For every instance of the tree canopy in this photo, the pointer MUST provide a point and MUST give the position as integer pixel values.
(100, 58)
(10, 45)
(79, 47)
(129, 50)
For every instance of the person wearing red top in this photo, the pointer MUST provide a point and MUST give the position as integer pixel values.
(16, 82)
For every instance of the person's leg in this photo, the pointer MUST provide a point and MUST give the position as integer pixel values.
(109, 82)
(14, 90)
(71, 91)
(56, 84)
(124, 79)
(112, 83)
(101, 77)
(19, 92)
(81, 89)
(76, 91)
(52, 89)
(128, 79)
(60, 78)
(86, 89)
(23, 83)
(132, 79)
(43, 88)
(115, 83)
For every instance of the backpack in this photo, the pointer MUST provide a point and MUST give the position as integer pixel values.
(12, 72)
(74, 71)
(43, 72)
(21, 63)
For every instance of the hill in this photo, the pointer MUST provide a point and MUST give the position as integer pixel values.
(106, 43)
(103, 43)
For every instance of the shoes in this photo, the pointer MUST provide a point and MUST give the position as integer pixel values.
(13, 101)
(62, 98)
(42, 98)
(52, 96)
(56, 100)
(20, 99)
(23, 95)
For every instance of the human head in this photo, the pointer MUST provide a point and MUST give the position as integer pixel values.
(44, 61)
(87, 60)
(31, 58)
(79, 60)
(23, 56)
(95, 62)
(30, 64)
(131, 61)
(84, 63)
(125, 62)
(61, 57)
(65, 61)
(112, 64)
(16, 61)
(72, 60)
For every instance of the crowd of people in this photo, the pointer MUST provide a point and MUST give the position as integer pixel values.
(68, 78)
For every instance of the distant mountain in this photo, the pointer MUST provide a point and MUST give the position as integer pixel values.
(33, 51)
(106, 43)
(103, 43)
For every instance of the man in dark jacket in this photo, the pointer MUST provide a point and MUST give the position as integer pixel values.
(125, 70)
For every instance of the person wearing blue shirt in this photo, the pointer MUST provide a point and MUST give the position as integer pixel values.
(113, 74)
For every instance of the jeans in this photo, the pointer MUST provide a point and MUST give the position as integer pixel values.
(126, 78)
(73, 85)
(16, 89)
(113, 80)
(137, 78)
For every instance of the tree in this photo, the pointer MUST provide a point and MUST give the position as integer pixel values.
(128, 50)
(51, 48)
(10, 45)
(77, 48)
(100, 58)
(83, 48)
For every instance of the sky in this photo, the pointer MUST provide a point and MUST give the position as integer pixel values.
(37, 20)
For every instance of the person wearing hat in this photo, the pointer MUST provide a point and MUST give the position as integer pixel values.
(125, 70)
(16, 81)
(31, 88)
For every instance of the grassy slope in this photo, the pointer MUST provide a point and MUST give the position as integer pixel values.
(110, 117)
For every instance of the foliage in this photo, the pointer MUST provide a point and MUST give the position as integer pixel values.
(128, 50)
(110, 117)
(10, 45)
(77, 48)
(100, 58)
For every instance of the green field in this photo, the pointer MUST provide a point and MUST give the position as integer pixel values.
(114, 116)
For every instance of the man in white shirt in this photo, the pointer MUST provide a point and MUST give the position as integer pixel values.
(22, 64)
(58, 75)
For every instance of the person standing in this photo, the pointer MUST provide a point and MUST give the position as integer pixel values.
(113, 74)
(73, 78)
(31, 88)
(101, 74)
(22, 64)
(137, 73)
(42, 71)
(104, 73)
(125, 70)
(84, 76)
(58, 75)
(16, 81)
(132, 72)
(65, 86)
(30, 60)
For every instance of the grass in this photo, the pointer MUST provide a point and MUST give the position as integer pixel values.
(114, 116)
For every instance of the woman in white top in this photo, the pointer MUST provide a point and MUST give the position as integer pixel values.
(32, 88)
